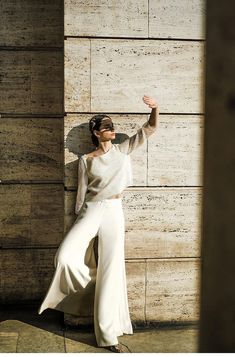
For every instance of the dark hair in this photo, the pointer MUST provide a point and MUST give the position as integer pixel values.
(94, 124)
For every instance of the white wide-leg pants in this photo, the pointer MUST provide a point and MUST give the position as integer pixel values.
(77, 277)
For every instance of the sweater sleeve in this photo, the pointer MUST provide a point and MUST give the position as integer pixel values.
(82, 185)
(134, 141)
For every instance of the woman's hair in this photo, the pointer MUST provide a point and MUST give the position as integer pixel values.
(94, 124)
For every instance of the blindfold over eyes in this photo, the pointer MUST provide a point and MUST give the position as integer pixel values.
(108, 126)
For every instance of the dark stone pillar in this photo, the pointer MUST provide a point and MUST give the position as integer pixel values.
(217, 321)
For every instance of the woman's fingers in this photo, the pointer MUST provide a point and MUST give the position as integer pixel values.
(146, 98)
(149, 100)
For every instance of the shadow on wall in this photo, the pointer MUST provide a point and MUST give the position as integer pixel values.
(79, 140)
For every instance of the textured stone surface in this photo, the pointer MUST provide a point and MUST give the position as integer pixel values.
(24, 317)
(136, 18)
(136, 280)
(31, 215)
(111, 75)
(39, 337)
(175, 152)
(77, 85)
(177, 19)
(127, 70)
(35, 143)
(159, 222)
(25, 274)
(32, 82)
(41, 341)
(8, 342)
(162, 222)
(162, 341)
(105, 75)
(31, 23)
(172, 290)
(83, 342)
(31, 174)
(106, 18)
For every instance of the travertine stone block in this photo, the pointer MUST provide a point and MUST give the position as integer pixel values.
(35, 143)
(106, 18)
(9, 341)
(77, 75)
(177, 19)
(31, 23)
(32, 82)
(162, 222)
(122, 71)
(173, 289)
(31, 215)
(156, 19)
(175, 153)
(25, 274)
(105, 75)
(136, 280)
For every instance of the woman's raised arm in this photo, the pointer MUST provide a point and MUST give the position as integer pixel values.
(147, 129)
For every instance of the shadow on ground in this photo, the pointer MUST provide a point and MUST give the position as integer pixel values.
(23, 330)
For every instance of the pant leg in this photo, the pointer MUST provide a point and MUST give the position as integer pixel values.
(111, 312)
(73, 278)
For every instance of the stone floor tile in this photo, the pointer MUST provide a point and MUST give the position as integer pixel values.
(50, 319)
(76, 341)
(8, 342)
(162, 341)
(40, 341)
(23, 330)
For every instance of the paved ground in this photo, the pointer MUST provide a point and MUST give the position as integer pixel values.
(23, 330)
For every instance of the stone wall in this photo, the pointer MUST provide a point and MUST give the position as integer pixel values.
(115, 52)
(31, 148)
(103, 58)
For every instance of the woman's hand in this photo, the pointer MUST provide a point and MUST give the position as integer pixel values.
(151, 102)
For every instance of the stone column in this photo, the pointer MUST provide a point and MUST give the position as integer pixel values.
(217, 320)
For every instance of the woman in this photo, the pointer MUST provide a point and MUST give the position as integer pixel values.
(103, 175)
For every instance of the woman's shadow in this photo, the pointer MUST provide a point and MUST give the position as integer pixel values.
(78, 142)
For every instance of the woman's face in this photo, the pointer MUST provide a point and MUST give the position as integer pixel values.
(106, 130)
